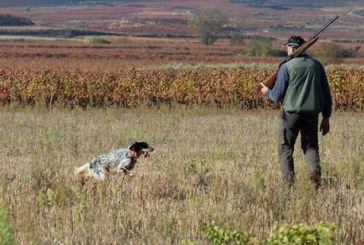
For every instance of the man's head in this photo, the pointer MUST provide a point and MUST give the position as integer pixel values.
(293, 43)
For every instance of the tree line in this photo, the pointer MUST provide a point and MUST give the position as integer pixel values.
(11, 20)
(210, 24)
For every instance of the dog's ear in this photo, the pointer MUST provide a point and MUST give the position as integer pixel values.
(133, 146)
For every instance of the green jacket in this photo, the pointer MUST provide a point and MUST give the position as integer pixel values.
(304, 91)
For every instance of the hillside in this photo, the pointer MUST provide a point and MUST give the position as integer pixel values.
(285, 4)
(169, 18)
(275, 4)
(33, 3)
(11, 20)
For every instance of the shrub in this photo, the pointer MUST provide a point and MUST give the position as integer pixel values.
(322, 233)
(237, 39)
(261, 47)
(6, 232)
(224, 235)
(95, 39)
(330, 53)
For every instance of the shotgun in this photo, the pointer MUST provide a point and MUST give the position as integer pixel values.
(310, 41)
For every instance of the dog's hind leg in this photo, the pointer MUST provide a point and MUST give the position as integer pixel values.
(83, 174)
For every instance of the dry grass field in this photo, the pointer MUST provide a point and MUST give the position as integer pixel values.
(209, 165)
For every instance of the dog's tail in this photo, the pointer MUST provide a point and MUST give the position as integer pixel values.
(81, 170)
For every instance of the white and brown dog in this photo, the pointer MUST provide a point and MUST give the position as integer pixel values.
(121, 161)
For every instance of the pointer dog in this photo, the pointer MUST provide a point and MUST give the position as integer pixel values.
(120, 161)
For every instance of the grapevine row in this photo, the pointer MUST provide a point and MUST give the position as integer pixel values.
(130, 88)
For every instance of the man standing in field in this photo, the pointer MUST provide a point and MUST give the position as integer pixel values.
(304, 92)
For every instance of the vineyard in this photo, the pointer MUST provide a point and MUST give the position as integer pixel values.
(133, 87)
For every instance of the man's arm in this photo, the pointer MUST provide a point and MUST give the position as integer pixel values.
(327, 110)
(277, 92)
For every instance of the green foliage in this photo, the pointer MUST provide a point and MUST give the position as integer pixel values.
(198, 167)
(96, 39)
(322, 233)
(207, 24)
(6, 232)
(261, 47)
(79, 198)
(237, 39)
(191, 168)
(208, 38)
(330, 53)
(225, 235)
(52, 197)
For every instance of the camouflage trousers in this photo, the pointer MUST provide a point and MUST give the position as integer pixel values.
(291, 124)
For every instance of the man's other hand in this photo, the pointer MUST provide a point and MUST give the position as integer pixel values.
(325, 126)
(264, 89)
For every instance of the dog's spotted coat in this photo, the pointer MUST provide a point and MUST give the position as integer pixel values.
(119, 161)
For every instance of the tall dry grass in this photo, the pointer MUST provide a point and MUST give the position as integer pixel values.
(209, 164)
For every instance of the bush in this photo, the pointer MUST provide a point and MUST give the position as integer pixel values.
(237, 39)
(262, 47)
(322, 233)
(95, 39)
(6, 233)
(224, 235)
(330, 53)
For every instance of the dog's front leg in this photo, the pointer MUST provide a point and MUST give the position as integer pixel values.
(121, 178)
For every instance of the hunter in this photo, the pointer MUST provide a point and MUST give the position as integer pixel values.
(303, 90)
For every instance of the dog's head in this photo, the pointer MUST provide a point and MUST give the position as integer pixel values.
(141, 149)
